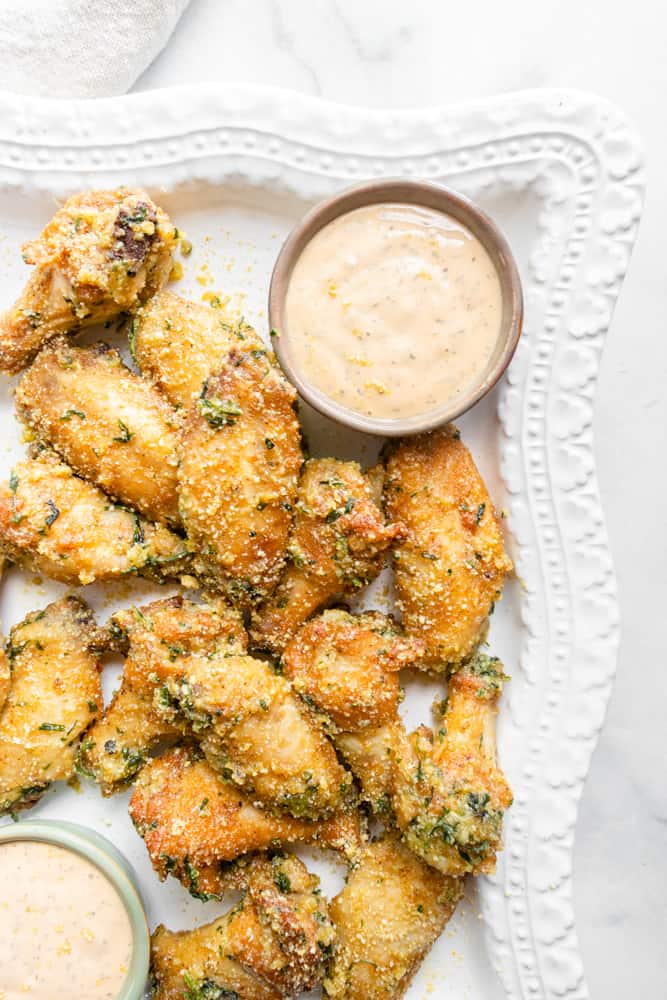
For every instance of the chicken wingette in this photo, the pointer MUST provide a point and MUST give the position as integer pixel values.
(451, 795)
(337, 546)
(131, 730)
(54, 696)
(451, 566)
(386, 919)
(240, 459)
(346, 667)
(169, 329)
(273, 944)
(194, 823)
(57, 524)
(111, 426)
(102, 254)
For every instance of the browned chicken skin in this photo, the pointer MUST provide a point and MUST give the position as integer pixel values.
(111, 426)
(102, 254)
(337, 546)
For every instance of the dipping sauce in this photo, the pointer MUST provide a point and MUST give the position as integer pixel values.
(393, 310)
(64, 929)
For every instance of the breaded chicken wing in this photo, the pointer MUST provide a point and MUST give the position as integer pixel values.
(387, 917)
(169, 328)
(451, 794)
(131, 730)
(54, 696)
(68, 529)
(273, 944)
(102, 254)
(255, 731)
(346, 667)
(451, 567)
(240, 458)
(193, 823)
(111, 426)
(336, 546)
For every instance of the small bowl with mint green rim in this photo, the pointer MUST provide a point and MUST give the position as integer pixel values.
(117, 870)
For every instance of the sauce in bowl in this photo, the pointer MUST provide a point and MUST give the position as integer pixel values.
(65, 929)
(393, 309)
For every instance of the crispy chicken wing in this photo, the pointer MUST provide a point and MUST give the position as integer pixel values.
(346, 667)
(169, 328)
(54, 696)
(131, 729)
(111, 426)
(240, 458)
(68, 529)
(273, 944)
(194, 823)
(451, 567)
(387, 917)
(336, 546)
(102, 254)
(451, 794)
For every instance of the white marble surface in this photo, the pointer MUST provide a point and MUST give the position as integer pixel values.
(409, 54)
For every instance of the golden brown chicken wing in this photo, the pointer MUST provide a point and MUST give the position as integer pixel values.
(273, 944)
(61, 526)
(169, 328)
(346, 667)
(111, 426)
(240, 458)
(336, 546)
(131, 730)
(450, 793)
(451, 567)
(387, 917)
(194, 823)
(54, 696)
(102, 254)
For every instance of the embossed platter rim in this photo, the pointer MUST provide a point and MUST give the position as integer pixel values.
(577, 158)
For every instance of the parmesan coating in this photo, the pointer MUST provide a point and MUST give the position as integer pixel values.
(131, 730)
(169, 329)
(102, 254)
(55, 694)
(5, 678)
(346, 667)
(450, 793)
(337, 546)
(68, 529)
(111, 426)
(451, 567)
(387, 917)
(193, 823)
(273, 944)
(240, 458)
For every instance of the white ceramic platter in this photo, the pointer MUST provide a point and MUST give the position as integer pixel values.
(561, 173)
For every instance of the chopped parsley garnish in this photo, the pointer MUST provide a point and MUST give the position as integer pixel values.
(219, 412)
(125, 433)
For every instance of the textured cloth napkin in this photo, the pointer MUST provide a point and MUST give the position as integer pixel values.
(81, 48)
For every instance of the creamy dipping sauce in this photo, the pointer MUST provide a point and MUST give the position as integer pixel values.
(64, 931)
(393, 310)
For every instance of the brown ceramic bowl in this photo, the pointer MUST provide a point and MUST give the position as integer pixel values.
(426, 195)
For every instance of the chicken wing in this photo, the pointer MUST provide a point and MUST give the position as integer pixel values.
(111, 426)
(193, 823)
(336, 546)
(240, 458)
(451, 794)
(451, 567)
(131, 730)
(169, 328)
(387, 917)
(102, 254)
(66, 528)
(346, 667)
(273, 944)
(54, 696)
